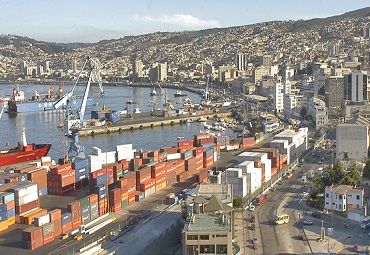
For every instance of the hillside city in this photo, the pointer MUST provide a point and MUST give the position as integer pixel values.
(312, 77)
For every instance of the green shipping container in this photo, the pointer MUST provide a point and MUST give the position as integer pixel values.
(85, 202)
(124, 203)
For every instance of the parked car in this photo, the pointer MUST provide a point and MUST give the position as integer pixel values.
(273, 189)
(316, 215)
(253, 218)
(255, 243)
(307, 222)
(252, 208)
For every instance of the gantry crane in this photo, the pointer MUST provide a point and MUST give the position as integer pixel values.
(74, 117)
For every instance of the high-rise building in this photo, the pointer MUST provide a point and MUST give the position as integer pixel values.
(356, 86)
(334, 91)
(278, 96)
(333, 50)
(74, 65)
(23, 67)
(267, 61)
(162, 71)
(241, 62)
(137, 67)
(46, 66)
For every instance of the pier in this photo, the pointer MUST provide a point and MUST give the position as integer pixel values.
(146, 120)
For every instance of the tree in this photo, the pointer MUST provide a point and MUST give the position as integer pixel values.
(238, 202)
(366, 171)
(354, 175)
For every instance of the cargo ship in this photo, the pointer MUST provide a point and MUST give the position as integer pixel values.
(18, 103)
(23, 152)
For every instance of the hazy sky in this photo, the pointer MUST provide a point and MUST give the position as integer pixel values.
(93, 20)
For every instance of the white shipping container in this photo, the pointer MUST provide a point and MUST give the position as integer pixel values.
(96, 151)
(129, 154)
(45, 159)
(94, 163)
(173, 156)
(215, 156)
(108, 157)
(35, 163)
(42, 220)
(124, 147)
(26, 189)
(149, 192)
(26, 199)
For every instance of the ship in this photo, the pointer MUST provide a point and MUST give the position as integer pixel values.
(19, 104)
(23, 152)
(179, 94)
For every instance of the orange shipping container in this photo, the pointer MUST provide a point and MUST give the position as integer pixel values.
(93, 198)
(61, 168)
(10, 205)
(55, 214)
(160, 186)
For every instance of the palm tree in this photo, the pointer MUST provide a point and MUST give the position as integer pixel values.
(355, 174)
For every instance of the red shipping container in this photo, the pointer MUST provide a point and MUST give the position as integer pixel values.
(158, 169)
(171, 178)
(55, 214)
(144, 186)
(257, 163)
(75, 205)
(76, 222)
(93, 198)
(31, 233)
(160, 157)
(274, 171)
(182, 176)
(61, 168)
(66, 227)
(182, 144)
(143, 174)
(27, 207)
(124, 164)
(115, 196)
(48, 238)
(143, 154)
(131, 198)
(116, 207)
(202, 176)
(25, 169)
(131, 177)
(57, 227)
(37, 173)
(201, 136)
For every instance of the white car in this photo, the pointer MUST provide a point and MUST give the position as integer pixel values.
(252, 208)
(307, 222)
(304, 193)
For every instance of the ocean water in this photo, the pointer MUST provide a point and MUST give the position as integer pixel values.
(42, 127)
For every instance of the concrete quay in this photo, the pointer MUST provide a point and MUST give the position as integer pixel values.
(145, 120)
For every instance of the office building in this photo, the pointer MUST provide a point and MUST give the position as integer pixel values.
(334, 91)
(241, 62)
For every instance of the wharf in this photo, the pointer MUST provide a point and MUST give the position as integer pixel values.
(145, 120)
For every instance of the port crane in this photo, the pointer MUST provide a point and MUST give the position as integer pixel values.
(74, 119)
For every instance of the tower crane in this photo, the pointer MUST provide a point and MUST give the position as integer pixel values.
(74, 119)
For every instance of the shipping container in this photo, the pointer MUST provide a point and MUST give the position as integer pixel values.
(140, 196)
(48, 228)
(61, 168)
(161, 185)
(57, 227)
(32, 238)
(124, 203)
(73, 206)
(6, 197)
(66, 227)
(42, 220)
(27, 207)
(66, 218)
(48, 238)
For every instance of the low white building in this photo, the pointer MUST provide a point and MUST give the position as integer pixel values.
(342, 198)
(318, 111)
(352, 142)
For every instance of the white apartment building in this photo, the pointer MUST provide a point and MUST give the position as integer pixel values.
(341, 198)
(278, 96)
(318, 111)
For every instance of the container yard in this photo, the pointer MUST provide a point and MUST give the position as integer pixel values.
(107, 182)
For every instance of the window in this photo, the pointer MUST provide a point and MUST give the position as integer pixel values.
(207, 249)
(358, 197)
(192, 237)
(204, 237)
(340, 206)
(340, 196)
(221, 249)
(327, 195)
(191, 250)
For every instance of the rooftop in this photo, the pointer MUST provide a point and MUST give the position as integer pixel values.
(208, 222)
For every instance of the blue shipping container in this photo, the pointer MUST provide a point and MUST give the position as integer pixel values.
(102, 196)
(85, 218)
(81, 171)
(3, 216)
(80, 177)
(10, 213)
(6, 197)
(83, 163)
(100, 180)
(100, 189)
(85, 211)
(43, 192)
(209, 152)
(66, 218)
(3, 208)
(22, 177)
(208, 145)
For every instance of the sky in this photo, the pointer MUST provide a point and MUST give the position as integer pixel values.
(89, 21)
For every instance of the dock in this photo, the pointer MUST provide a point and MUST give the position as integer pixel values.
(146, 120)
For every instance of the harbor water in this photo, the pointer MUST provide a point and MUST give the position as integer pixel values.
(42, 127)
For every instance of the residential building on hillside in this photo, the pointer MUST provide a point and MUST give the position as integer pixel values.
(318, 111)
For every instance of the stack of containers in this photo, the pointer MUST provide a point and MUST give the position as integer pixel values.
(42, 220)
(48, 232)
(136, 163)
(148, 187)
(56, 218)
(170, 178)
(186, 144)
(75, 209)
(102, 176)
(94, 206)
(3, 218)
(222, 141)
(7, 198)
(101, 191)
(66, 222)
(190, 165)
(85, 209)
(142, 175)
(198, 154)
(159, 174)
(122, 184)
(201, 139)
(154, 154)
(187, 154)
(125, 166)
(208, 158)
(182, 176)
(26, 197)
(115, 200)
(32, 238)
(117, 171)
(248, 142)
(38, 176)
(81, 172)
(61, 179)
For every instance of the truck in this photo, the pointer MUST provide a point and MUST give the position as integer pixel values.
(311, 174)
